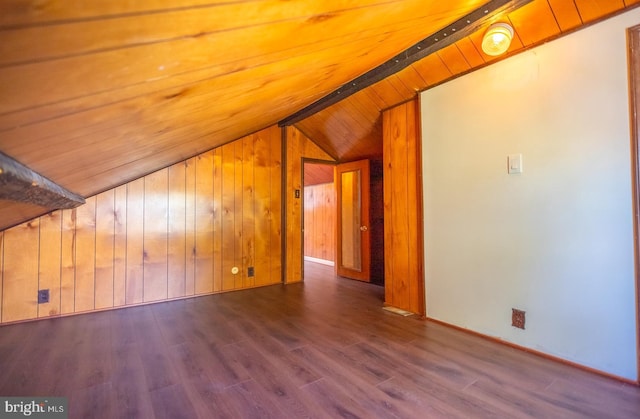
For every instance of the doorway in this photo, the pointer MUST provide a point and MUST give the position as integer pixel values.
(319, 234)
(319, 213)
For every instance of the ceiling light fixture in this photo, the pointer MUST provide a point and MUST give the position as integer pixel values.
(497, 39)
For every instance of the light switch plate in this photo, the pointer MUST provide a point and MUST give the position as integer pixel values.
(514, 163)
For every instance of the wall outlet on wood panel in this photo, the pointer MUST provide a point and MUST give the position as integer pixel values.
(43, 296)
(517, 318)
(250, 271)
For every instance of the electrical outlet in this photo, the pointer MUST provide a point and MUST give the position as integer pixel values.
(251, 271)
(43, 296)
(517, 318)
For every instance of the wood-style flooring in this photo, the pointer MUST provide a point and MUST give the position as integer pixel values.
(324, 348)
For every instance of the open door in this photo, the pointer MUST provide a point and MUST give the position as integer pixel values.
(353, 252)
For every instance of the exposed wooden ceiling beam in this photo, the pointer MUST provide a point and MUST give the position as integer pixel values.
(21, 184)
(434, 42)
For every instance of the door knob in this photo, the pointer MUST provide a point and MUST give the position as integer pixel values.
(363, 228)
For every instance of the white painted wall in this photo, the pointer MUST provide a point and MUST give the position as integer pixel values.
(556, 240)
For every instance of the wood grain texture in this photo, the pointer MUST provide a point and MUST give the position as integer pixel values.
(105, 249)
(347, 137)
(20, 276)
(164, 236)
(49, 262)
(228, 216)
(217, 220)
(320, 221)
(99, 95)
(404, 277)
(238, 193)
(276, 205)
(324, 348)
(263, 206)
(85, 256)
(134, 285)
(68, 262)
(156, 213)
(190, 226)
(204, 223)
(120, 246)
(176, 244)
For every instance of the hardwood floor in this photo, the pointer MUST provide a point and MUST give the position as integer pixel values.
(324, 348)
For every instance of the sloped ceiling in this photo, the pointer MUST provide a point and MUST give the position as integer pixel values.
(95, 94)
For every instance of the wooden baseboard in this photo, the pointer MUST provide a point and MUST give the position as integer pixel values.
(538, 353)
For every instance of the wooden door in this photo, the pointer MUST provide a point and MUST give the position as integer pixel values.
(353, 256)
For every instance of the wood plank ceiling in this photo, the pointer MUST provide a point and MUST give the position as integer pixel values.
(95, 94)
(352, 128)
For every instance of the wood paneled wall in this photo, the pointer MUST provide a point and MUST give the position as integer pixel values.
(404, 277)
(174, 233)
(298, 147)
(320, 221)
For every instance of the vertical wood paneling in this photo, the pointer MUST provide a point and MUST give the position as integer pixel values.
(262, 208)
(388, 179)
(217, 220)
(134, 286)
(399, 239)
(105, 242)
(276, 206)
(248, 234)
(228, 206)
(402, 209)
(21, 272)
(320, 221)
(156, 207)
(238, 190)
(204, 223)
(135, 243)
(68, 261)
(190, 227)
(309, 220)
(86, 255)
(49, 265)
(120, 246)
(414, 209)
(176, 247)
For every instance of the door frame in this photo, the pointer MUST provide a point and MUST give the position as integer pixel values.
(633, 53)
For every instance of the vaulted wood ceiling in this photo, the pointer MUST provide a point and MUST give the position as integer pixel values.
(95, 94)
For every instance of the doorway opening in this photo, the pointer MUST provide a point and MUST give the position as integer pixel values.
(319, 215)
(321, 212)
